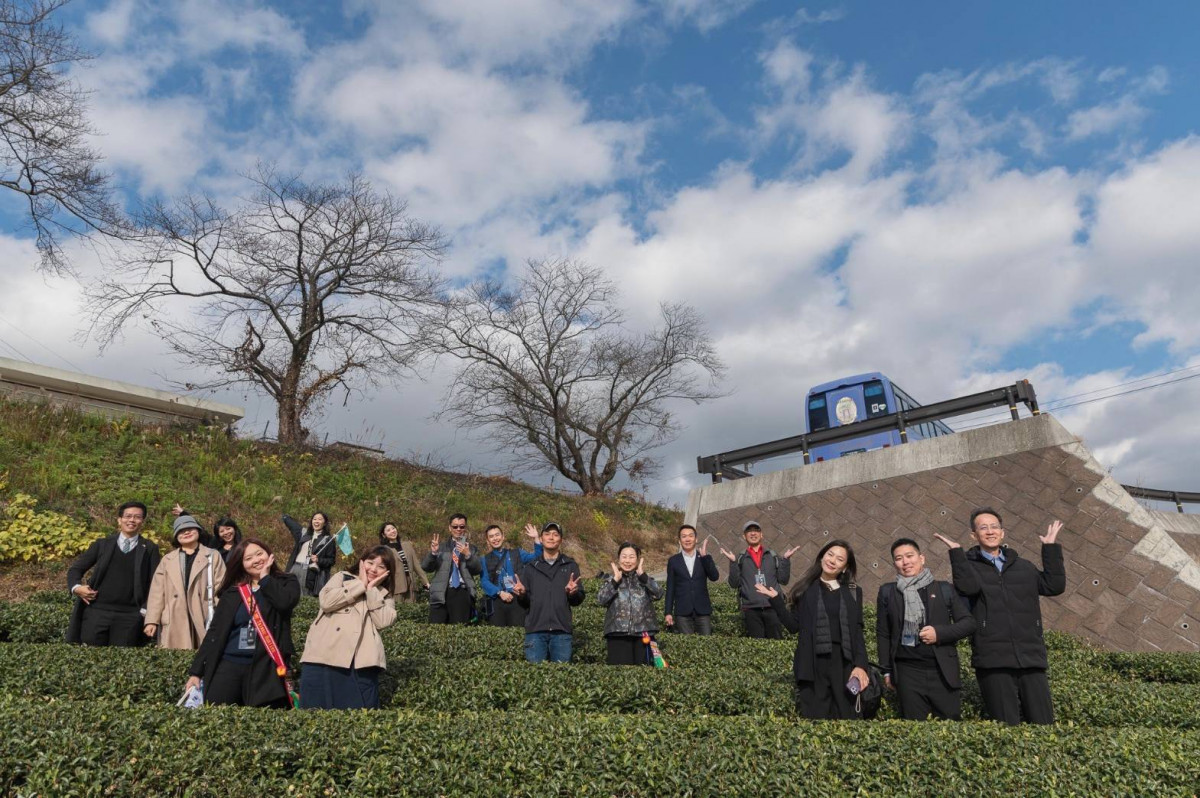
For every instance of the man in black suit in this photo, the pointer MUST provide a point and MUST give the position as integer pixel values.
(919, 620)
(109, 606)
(688, 608)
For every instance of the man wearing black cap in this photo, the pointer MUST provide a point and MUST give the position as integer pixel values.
(548, 587)
(109, 606)
(758, 566)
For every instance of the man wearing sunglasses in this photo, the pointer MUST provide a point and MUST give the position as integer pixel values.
(454, 563)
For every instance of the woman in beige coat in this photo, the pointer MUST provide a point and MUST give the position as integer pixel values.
(409, 576)
(343, 654)
(183, 589)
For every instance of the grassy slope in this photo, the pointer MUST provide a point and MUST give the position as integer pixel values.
(85, 466)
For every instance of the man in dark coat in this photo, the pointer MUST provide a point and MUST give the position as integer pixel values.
(1008, 651)
(110, 605)
(758, 565)
(919, 620)
(548, 587)
(688, 607)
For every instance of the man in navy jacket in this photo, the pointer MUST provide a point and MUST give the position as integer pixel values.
(688, 607)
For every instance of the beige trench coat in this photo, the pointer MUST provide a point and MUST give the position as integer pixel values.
(181, 614)
(407, 586)
(346, 630)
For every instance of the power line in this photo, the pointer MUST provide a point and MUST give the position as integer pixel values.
(16, 351)
(39, 343)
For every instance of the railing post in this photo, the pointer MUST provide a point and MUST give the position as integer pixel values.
(1012, 402)
(900, 423)
(1178, 504)
(804, 449)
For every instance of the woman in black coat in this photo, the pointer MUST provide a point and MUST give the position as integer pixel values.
(233, 663)
(826, 615)
(314, 551)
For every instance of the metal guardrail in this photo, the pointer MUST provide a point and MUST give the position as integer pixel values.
(721, 465)
(1180, 497)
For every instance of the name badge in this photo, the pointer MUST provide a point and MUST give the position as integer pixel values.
(246, 638)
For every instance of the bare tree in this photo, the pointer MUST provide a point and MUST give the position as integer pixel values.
(44, 155)
(549, 370)
(303, 289)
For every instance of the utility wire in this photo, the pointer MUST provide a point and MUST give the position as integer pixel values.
(39, 343)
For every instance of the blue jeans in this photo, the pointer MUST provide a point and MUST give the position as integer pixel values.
(555, 646)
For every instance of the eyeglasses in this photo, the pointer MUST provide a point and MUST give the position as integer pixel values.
(992, 528)
(132, 517)
(458, 526)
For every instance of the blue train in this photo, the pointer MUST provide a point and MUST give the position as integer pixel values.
(858, 398)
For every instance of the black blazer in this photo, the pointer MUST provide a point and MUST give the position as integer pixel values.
(96, 558)
(277, 596)
(688, 595)
(951, 625)
(803, 621)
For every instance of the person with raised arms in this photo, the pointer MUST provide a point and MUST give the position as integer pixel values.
(1008, 650)
(548, 588)
(501, 567)
(918, 622)
(758, 566)
(688, 608)
(454, 564)
(629, 619)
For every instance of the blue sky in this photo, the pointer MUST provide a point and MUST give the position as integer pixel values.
(956, 194)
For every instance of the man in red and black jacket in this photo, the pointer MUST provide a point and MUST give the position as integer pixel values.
(758, 565)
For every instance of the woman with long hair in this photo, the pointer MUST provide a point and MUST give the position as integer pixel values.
(226, 536)
(629, 621)
(830, 664)
(343, 654)
(409, 578)
(314, 551)
(250, 638)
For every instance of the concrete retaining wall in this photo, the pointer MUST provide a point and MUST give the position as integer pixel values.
(1133, 582)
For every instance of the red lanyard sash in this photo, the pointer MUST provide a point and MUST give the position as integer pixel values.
(264, 633)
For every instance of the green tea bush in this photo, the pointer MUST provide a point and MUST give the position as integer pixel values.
(102, 747)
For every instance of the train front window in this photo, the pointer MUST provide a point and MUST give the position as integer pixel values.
(818, 415)
(875, 399)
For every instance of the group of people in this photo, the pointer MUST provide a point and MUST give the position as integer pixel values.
(227, 598)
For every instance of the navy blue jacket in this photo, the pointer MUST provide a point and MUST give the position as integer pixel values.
(688, 595)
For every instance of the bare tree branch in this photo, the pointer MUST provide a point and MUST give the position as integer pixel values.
(303, 290)
(549, 370)
(44, 154)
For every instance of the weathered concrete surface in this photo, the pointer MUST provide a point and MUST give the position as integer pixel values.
(33, 382)
(1133, 579)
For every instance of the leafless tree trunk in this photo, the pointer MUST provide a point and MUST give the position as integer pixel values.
(549, 370)
(303, 289)
(44, 156)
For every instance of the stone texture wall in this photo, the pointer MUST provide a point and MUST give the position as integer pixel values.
(1130, 585)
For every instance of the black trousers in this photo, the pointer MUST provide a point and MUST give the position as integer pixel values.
(457, 608)
(506, 613)
(826, 697)
(628, 650)
(1016, 695)
(693, 624)
(108, 625)
(231, 685)
(923, 692)
(761, 622)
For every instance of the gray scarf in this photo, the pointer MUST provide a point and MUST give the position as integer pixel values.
(914, 610)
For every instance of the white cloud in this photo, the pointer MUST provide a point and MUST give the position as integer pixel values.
(1146, 242)
(704, 14)
(1125, 113)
